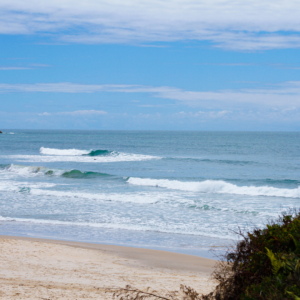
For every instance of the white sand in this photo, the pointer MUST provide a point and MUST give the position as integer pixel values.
(49, 269)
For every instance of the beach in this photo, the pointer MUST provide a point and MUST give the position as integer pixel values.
(137, 190)
(34, 268)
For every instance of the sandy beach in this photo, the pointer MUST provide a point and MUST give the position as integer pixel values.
(51, 269)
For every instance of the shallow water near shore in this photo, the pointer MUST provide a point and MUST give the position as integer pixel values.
(178, 191)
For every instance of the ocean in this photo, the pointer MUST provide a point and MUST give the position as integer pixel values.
(187, 192)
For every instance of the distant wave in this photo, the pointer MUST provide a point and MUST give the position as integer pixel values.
(74, 152)
(79, 174)
(217, 187)
(34, 170)
(95, 156)
(50, 151)
(101, 152)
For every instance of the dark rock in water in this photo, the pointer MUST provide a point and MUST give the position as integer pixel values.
(0, 131)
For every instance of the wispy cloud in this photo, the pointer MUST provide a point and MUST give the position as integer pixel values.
(241, 25)
(278, 119)
(283, 95)
(151, 105)
(76, 113)
(29, 67)
(253, 64)
(10, 68)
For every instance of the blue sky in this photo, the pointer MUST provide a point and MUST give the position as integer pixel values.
(166, 65)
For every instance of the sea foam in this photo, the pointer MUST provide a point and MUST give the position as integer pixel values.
(116, 197)
(76, 152)
(81, 158)
(67, 152)
(217, 187)
(15, 186)
(30, 171)
(120, 224)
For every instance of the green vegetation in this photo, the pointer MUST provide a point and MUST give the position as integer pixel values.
(265, 264)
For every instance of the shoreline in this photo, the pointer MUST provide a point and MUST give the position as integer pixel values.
(34, 268)
(159, 258)
(198, 245)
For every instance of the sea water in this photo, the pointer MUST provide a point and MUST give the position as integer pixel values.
(179, 191)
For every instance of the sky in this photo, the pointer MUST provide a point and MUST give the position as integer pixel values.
(150, 65)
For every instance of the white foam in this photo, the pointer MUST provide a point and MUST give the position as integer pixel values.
(118, 223)
(217, 187)
(8, 186)
(15, 186)
(40, 189)
(31, 171)
(85, 159)
(63, 152)
(130, 197)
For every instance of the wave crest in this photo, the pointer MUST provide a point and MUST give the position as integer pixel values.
(67, 152)
(28, 171)
(100, 152)
(217, 187)
(79, 174)
(74, 152)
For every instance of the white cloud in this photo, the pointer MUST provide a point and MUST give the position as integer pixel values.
(83, 112)
(246, 25)
(14, 68)
(282, 95)
(45, 114)
(76, 113)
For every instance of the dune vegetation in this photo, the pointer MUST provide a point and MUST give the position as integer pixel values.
(264, 265)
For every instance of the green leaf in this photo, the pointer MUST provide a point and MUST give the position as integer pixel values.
(276, 264)
(293, 295)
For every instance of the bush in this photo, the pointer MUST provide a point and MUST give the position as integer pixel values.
(264, 265)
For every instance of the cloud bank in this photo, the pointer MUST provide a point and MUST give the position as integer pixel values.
(239, 25)
(272, 119)
(280, 95)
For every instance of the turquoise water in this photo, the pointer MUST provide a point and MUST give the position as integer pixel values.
(177, 191)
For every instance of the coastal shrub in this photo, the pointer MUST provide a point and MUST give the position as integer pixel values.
(264, 265)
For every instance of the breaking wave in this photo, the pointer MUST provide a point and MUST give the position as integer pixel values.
(217, 187)
(79, 174)
(101, 152)
(74, 152)
(76, 155)
(29, 171)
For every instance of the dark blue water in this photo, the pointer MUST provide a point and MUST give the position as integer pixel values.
(179, 191)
